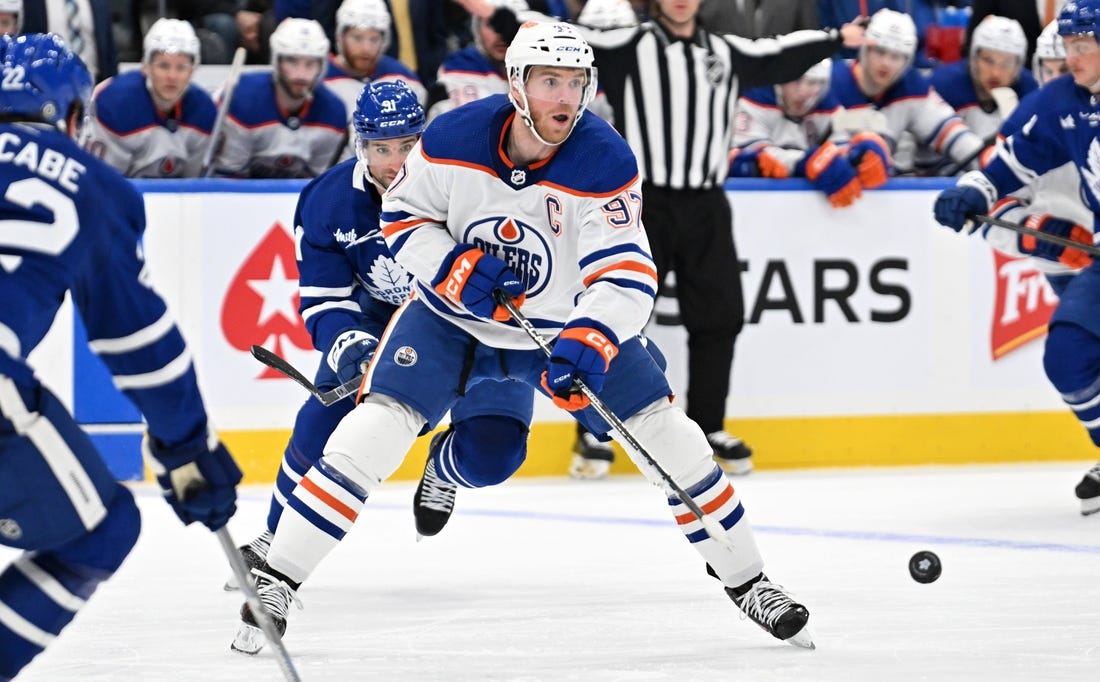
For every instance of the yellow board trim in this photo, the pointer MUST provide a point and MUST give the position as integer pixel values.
(784, 443)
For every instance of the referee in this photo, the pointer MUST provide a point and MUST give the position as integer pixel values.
(673, 86)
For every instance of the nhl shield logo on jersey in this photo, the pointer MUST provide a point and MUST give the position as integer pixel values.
(405, 356)
(523, 247)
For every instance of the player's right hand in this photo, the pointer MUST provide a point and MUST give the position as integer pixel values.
(469, 277)
(1074, 258)
(198, 479)
(351, 353)
(832, 173)
(584, 351)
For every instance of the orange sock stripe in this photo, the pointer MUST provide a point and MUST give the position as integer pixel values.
(709, 507)
(326, 497)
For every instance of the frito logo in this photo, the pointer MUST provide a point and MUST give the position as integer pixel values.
(518, 244)
(1023, 305)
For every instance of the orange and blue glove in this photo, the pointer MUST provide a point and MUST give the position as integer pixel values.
(870, 155)
(830, 172)
(583, 350)
(1067, 229)
(469, 276)
(755, 163)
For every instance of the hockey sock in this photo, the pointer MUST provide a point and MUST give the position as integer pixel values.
(295, 465)
(1072, 363)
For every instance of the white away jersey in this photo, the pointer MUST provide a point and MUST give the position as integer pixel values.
(761, 124)
(569, 226)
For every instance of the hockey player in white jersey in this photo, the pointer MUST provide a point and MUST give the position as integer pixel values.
(350, 287)
(531, 199)
(1060, 130)
(151, 123)
(72, 224)
(11, 17)
(285, 124)
(998, 50)
(1049, 60)
(786, 131)
(883, 79)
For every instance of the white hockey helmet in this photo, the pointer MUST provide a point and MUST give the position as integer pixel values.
(548, 44)
(298, 38)
(372, 14)
(893, 31)
(1048, 45)
(607, 14)
(1000, 34)
(173, 36)
(820, 75)
(13, 7)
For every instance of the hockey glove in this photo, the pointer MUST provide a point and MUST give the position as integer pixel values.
(974, 193)
(351, 353)
(752, 163)
(830, 172)
(198, 481)
(1070, 257)
(583, 350)
(870, 154)
(468, 277)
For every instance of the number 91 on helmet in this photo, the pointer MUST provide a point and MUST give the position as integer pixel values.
(386, 111)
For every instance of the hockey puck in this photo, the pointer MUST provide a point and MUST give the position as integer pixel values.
(925, 567)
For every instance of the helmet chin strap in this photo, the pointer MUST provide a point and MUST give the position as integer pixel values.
(525, 116)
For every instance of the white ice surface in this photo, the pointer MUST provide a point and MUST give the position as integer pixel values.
(558, 580)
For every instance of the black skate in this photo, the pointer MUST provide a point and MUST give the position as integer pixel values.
(773, 609)
(731, 453)
(435, 498)
(1088, 491)
(276, 593)
(591, 458)
(254, 555)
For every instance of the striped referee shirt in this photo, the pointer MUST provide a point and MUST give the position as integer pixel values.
(674, 98)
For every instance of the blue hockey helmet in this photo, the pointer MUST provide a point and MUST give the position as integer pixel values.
(42, 78)
(1079, 17)
(386, 110)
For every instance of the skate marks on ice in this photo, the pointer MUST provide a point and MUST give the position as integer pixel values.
(564, 580)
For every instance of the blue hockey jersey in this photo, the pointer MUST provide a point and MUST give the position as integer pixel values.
(69, 222)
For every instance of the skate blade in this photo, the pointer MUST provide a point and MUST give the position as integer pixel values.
(803, 639)
(249, 640)
(735, 467)
(1090, 506)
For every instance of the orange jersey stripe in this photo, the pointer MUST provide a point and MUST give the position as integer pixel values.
(946, 133)
(338, 506)
(625, 265)
(402, 225)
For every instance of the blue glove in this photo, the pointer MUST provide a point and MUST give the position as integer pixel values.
(351, 353)
(199, 481)
(954, 205)
(469, 277)
(832, 173)
(584, 351)
(744, 163)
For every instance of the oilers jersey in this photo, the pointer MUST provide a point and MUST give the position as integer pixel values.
(72, 223)
(762, 125)
(345, 271)
(910, 106)
(569, 226)
(130, 134)
(261, 141)
(956, 87)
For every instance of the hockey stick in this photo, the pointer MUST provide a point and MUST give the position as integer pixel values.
(223, 110)
(710, 525)
(253, 599)
(280, 365)
(1043, 236)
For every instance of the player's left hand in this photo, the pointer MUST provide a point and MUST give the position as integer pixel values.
(1067, 229)
(830, 172)
(198, 480)
(583, 350)
(350, 354)
(870, 154)
(974, 193)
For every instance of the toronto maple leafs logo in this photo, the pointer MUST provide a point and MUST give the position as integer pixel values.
(387, 281)
(518, 244)
(1091, 171)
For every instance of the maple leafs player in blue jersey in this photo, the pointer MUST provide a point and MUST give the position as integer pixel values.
(1065, 129)
(58, 501)
(526, 196)
(350, 289)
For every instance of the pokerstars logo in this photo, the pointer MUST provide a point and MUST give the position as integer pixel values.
(521, 246)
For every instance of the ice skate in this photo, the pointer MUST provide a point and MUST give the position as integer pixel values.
(770, 607)
(1088, 491)
(254, 555)
(591, 459)
(435, 498)
(731, 453)
(276, 593)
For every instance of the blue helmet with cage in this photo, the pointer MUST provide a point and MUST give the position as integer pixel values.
(1080, 17)
(387, 110)
(42, 78)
